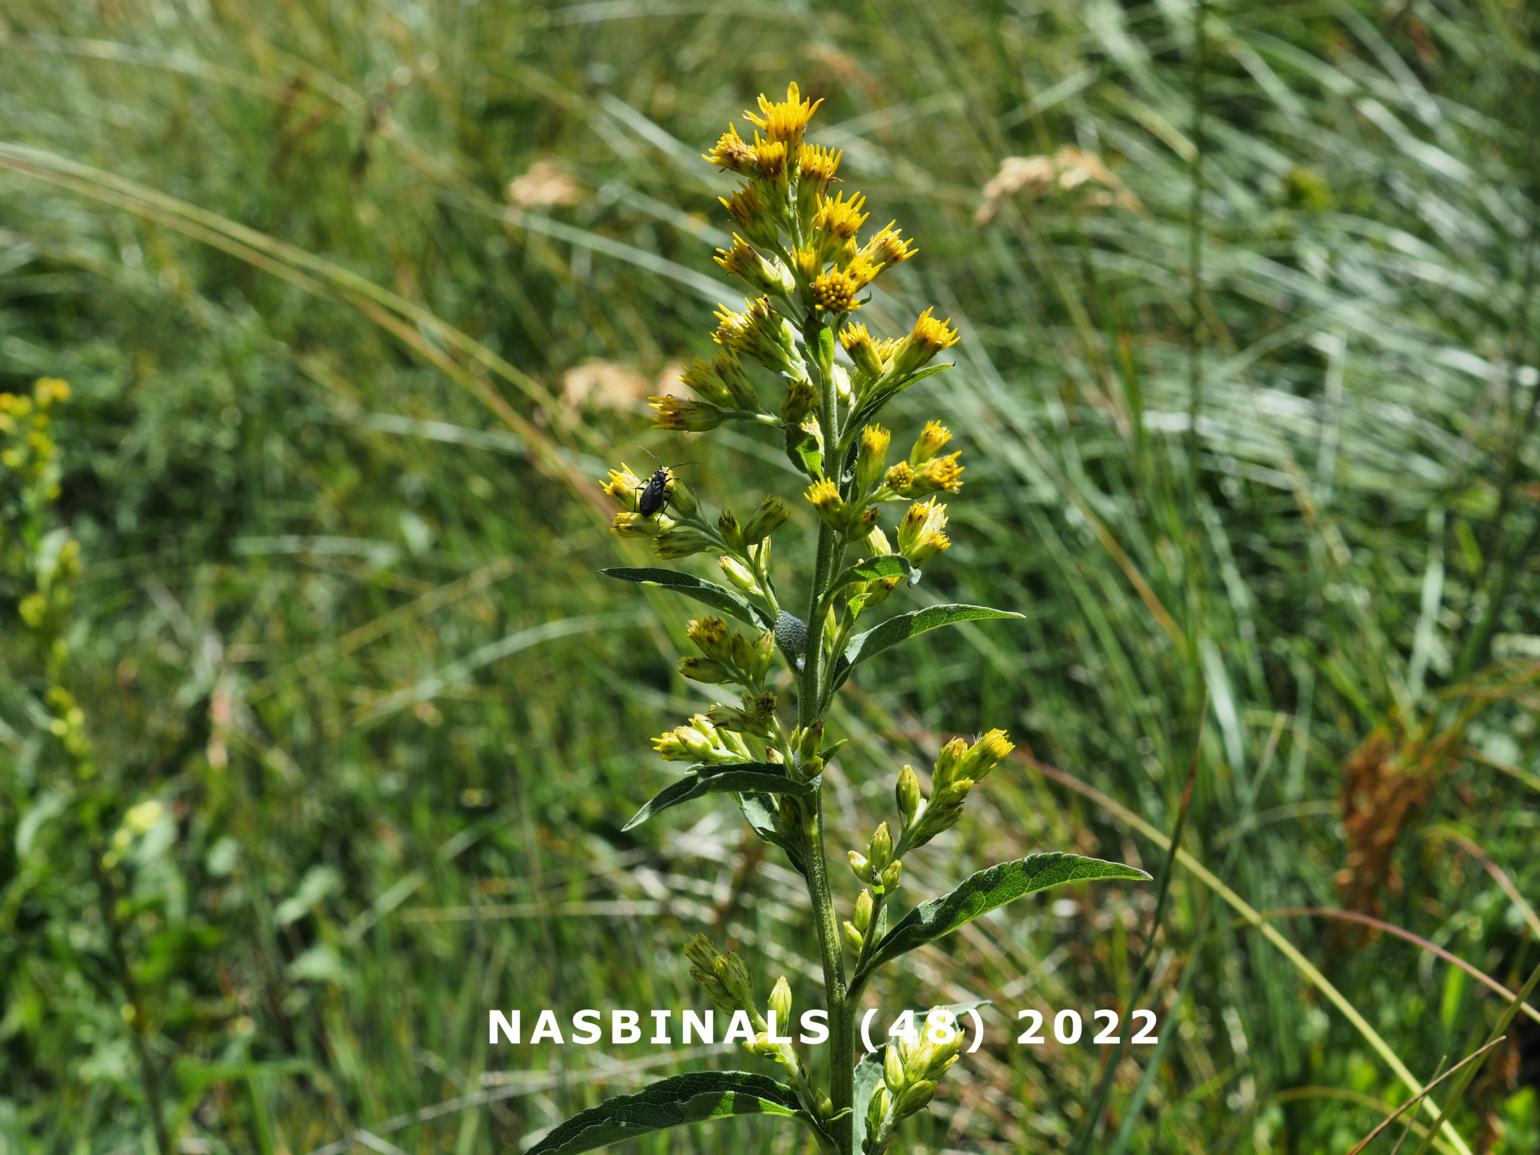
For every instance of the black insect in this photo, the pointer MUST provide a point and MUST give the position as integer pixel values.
(654, 492)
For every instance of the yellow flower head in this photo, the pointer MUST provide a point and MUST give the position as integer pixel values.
(731, 152)
(929, 443)
(985, 754)
(936, 475)
(887, 247)
(865, 352)
(928, 337)
(835, 291)
(921, 534)
(825, 498)
(839, 217)
(721, 381)
(623, 486)
(785, 119)
(770, 159)
(631, 524)
(900, 477)
(872, 456)
(816, 167)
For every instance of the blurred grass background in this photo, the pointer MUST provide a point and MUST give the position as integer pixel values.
(356, 301)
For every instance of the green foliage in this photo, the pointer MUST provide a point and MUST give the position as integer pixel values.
(696, 1097)
(986, 890)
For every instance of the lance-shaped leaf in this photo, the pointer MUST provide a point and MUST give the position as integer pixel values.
(902, 628)
(889, 565)
(983, 892)
(713, 595)
(735, 777)
(691, 1098)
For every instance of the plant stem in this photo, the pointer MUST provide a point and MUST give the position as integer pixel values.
(820, 341)
(107, 901)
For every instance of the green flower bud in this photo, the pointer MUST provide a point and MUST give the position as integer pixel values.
(880, 850)
(732, 533)
(907, 794)
(739, 574)
(712, 637)
(769, 517)
(801, 399)
(861, 867)
(892, 875)
(779, 1004)
(854, 939)
(705, 670)
(892, 1069)
(947, 762)
(916, 1097)
(863, 912)
(682, 541)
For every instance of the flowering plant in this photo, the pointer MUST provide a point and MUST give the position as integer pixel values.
(780, 367)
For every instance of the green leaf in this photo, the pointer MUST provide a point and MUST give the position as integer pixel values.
(905, 626)
(990, 888)
(875, 568)
(713, 595)
(868, 1077)
(748, 777)
(691, 1098)
(756, 812)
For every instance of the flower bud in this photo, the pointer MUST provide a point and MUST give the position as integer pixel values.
(826, 500)
(728, 527)
(872, 457)
(684, 416)
(739, 574)
(986, 754)
(769, 517)
(880, 850)
(928, 337)
(860, 866)
(705, 670)
(635, 525)
(862, 917)
(854, 939)
(682, 541)
(892, 1070)
(863, 350)
(780, 1003)
(916, 1097)
(907, 794)
(892, 875)
(933, 437)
